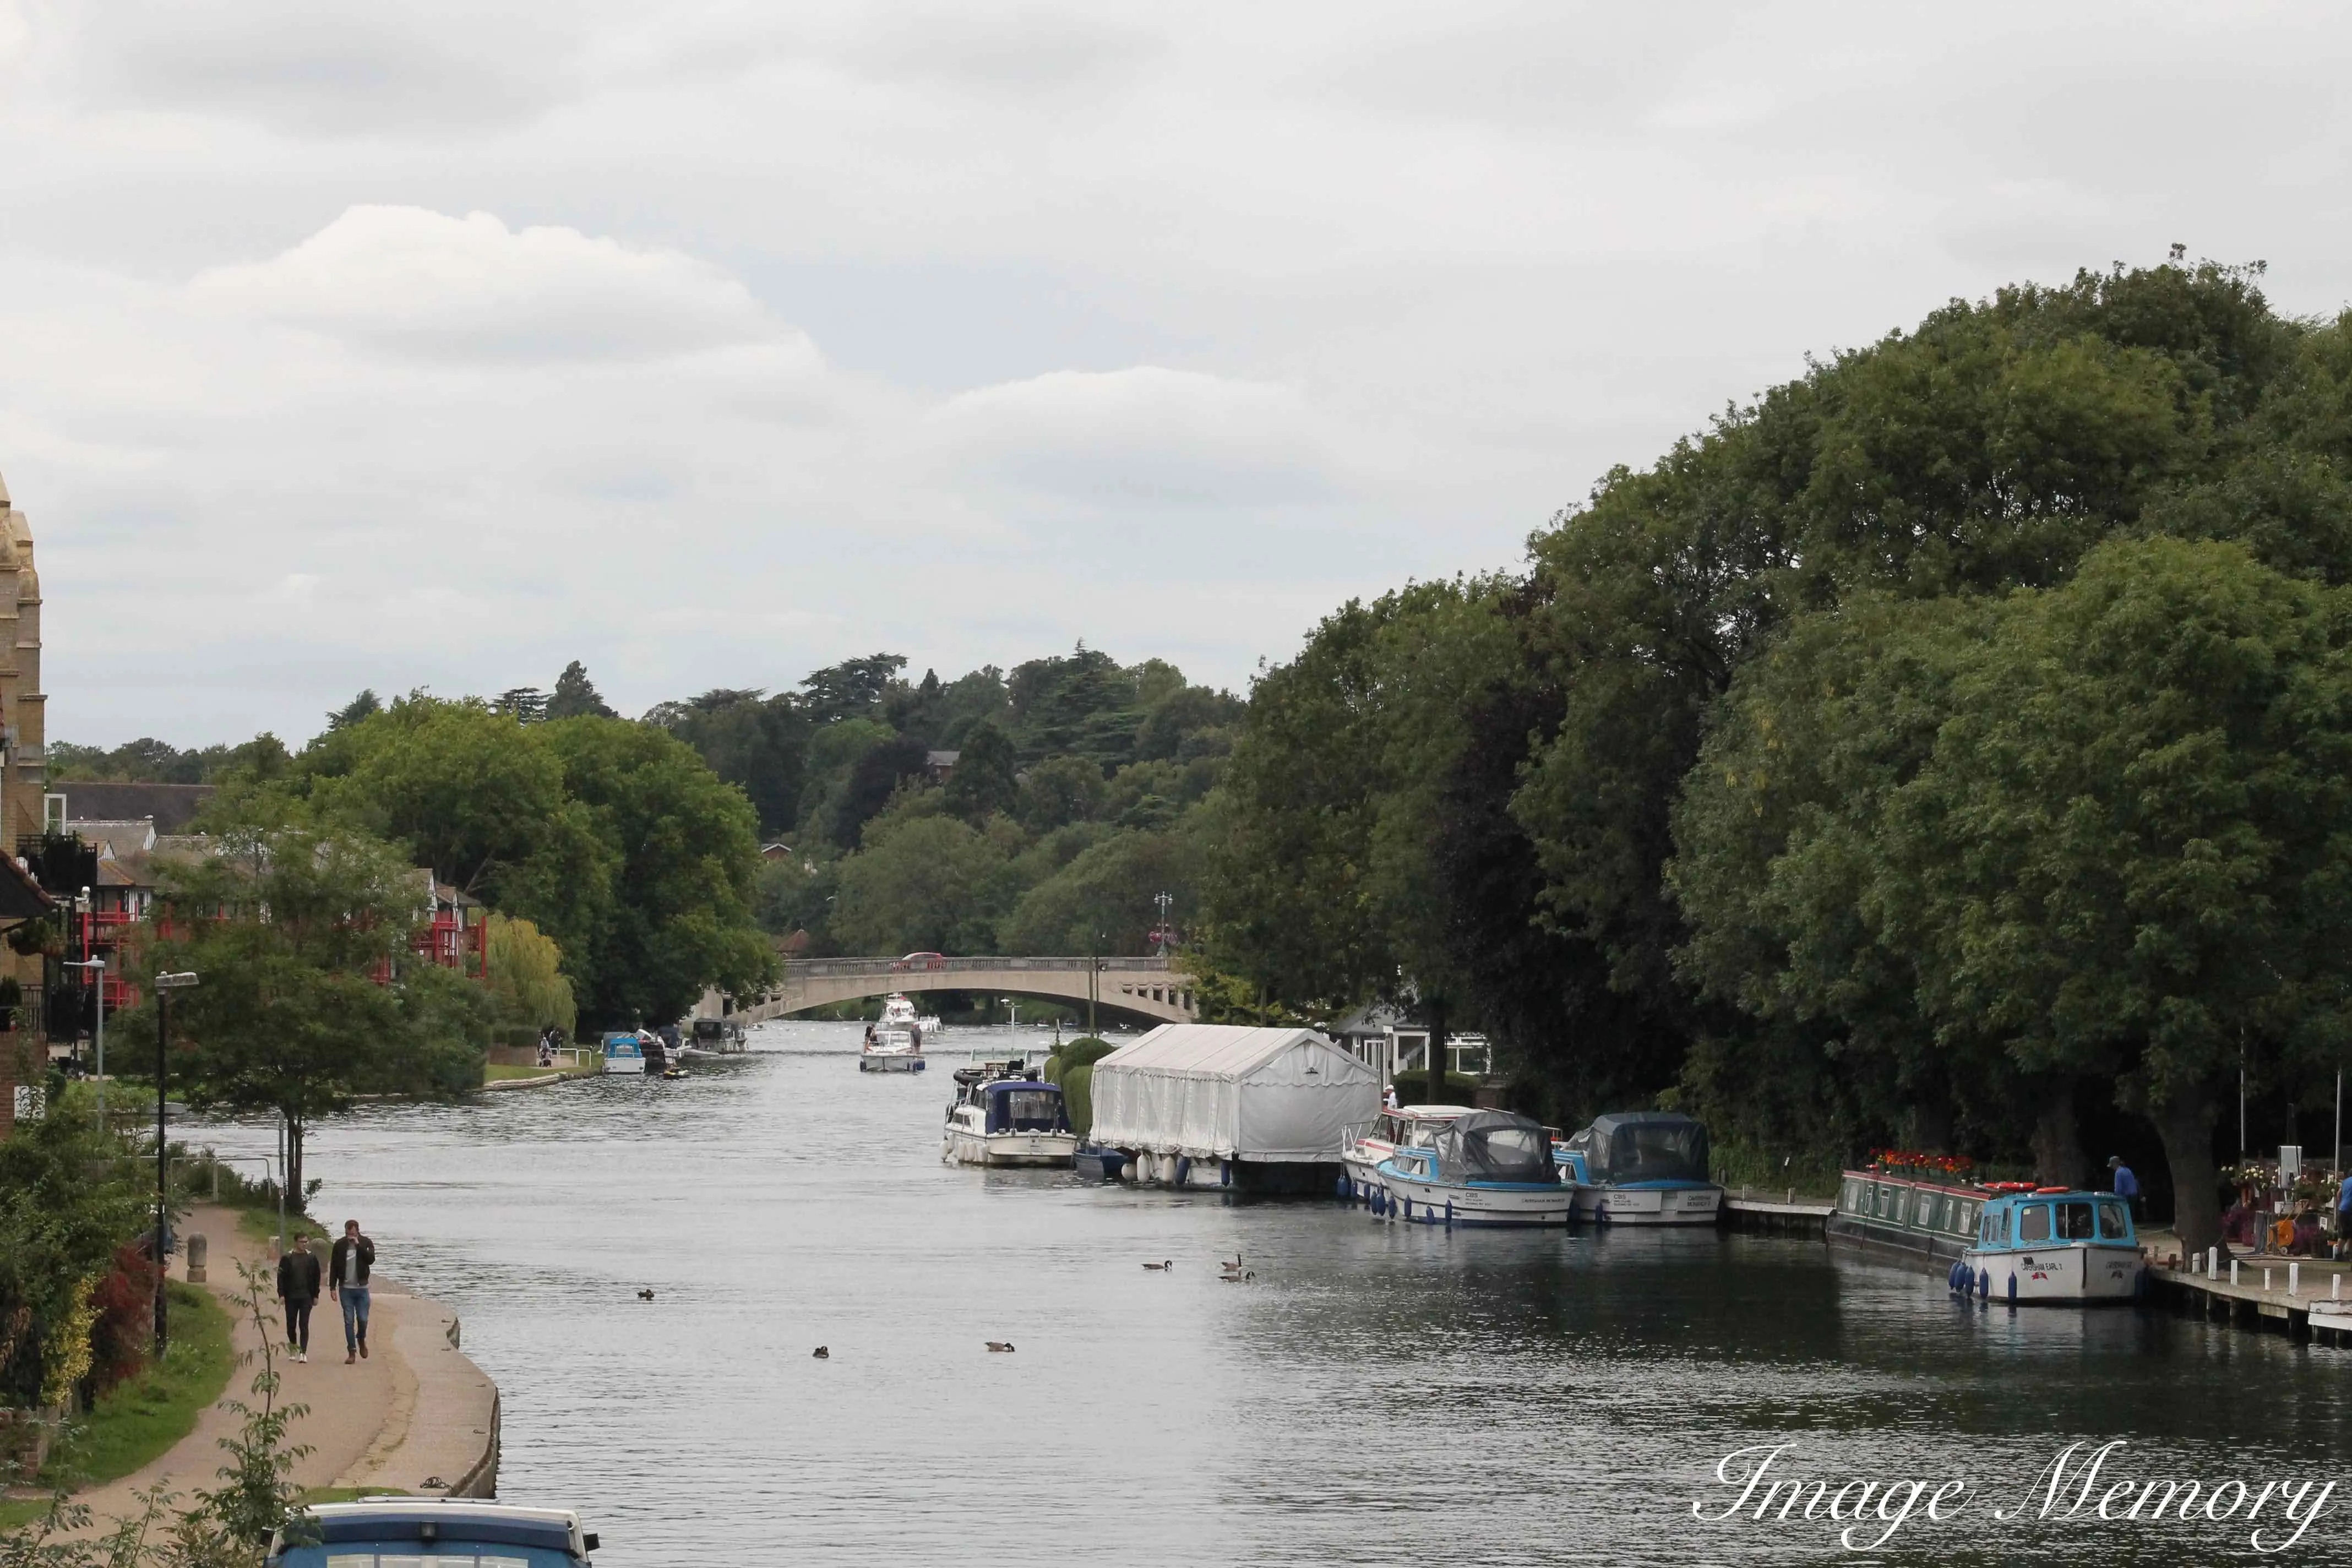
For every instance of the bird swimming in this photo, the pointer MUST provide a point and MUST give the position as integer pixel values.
(645, 1295)
(1005, 1345)
(822, 1353)
(1160, 1266)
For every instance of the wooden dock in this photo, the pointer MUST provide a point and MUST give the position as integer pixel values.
(1784, 1215)
(2261, 1299)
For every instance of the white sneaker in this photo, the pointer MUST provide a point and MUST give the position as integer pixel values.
(302, 1355)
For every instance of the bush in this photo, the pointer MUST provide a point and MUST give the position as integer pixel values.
(1078, 1097)
(125, 1300)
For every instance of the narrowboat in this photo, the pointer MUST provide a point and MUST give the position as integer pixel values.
(1925, 1220)
(1483, 1168)
(1006, 1118)
(1642, 1167)
(2052, 1246)
(1364, 1145)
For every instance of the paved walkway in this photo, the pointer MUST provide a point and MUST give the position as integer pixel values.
(417, 1411)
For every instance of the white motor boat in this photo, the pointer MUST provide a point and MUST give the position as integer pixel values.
(895, 1042)
(625, 1054)
(2052, 1246)
(1001, 1116)
(1363, 1146)
(1483, 1168)
(1642, 1167)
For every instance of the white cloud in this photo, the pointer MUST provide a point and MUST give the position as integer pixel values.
(416, 281)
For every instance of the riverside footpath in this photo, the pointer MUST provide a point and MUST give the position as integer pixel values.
(416, 1416)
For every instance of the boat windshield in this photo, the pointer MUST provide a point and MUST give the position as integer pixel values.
(2114, 1220)
(1033, 1108)
(1653, 1152)
(2074, 1221)
(1496, 1146)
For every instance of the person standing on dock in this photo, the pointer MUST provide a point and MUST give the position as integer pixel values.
(298, 1287)
(2127, 1184)
(2344, 1210)
(353, 1256)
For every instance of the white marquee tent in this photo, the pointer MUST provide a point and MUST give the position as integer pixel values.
(1210, 1091)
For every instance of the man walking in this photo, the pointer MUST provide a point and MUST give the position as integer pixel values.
(298, 1287)
(2127, 1184)
(347, 1265)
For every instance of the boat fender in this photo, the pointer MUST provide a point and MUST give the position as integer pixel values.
(1344, 1191)
(2012, 1290)
(1449, 1214)
(1184, 1169)
(1984, 1283)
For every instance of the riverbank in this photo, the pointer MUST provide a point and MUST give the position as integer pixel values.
(417, 1416)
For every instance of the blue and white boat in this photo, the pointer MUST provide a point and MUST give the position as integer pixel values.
(1642, 1167)
(1001, 1116)
(624, 1053)
(2052, 1247)
(1483, 1168)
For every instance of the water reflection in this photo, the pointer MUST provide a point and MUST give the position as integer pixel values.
(1379, 1394)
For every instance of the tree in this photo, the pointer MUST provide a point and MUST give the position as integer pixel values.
(1104, 898)
(852, 689)
(984, 782)
(575, 697)
(361, 707)
(1057, 792)
(924, 883)
(524, 704)
(68, 1197)
(526, 976)
(2130, 852)
(685, 855)
(309, 996)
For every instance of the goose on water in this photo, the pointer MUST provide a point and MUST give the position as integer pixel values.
(1005, 1345)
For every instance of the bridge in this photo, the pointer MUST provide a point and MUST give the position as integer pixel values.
(1148, 987)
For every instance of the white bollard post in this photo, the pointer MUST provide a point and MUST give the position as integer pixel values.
(2336, 1288)
(2213, 1261)
(2233, 1271)
(2266, 1281)
(2295, 1278)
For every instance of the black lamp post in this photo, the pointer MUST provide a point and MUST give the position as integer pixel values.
(164, 985)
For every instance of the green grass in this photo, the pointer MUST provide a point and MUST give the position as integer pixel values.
(261, 1225)
(348, 1494)
(137, 1420)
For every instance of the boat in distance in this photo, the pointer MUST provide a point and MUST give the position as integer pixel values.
(894, 1043)
(1482, 1168)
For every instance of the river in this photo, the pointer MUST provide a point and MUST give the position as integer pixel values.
(1377, 1393)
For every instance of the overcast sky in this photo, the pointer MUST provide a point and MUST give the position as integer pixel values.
(437, 343)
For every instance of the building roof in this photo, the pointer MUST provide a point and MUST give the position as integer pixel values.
(121, 837)
(940, 759)
(170, 805)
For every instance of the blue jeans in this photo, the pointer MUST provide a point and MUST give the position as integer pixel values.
(356, 1308)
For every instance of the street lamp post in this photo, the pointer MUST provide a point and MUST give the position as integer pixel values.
(164, 985)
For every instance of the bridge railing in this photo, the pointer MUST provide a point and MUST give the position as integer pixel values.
(866, 968)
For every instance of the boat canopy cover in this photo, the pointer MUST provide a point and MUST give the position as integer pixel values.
(1647, 1146)
(1495, 1146)
(1018, 1106)
(1211, 1091)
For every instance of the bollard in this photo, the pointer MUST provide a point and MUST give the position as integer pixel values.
(2293, 1279)
(197, 1246)
(2266, 1281)
(2213, 1261)
(1792, 1195)
(2336, 1288)
(2233, 1271)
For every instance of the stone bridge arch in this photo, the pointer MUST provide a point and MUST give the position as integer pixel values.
(1149, 988)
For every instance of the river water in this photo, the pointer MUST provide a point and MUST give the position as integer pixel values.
(1377, 1393)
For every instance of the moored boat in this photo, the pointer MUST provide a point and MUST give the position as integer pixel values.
(1003, 1116)
(1482, 1168)
(2052, 1246)
(1362, 1147)
(1920, 1217)
(624, 1053)
(1642, 1167)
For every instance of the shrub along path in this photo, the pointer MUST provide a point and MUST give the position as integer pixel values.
(370, 1423)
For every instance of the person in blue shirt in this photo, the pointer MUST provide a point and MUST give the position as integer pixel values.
(2127, 1184)
(2344, 1210)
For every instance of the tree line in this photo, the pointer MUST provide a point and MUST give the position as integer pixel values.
(1942, 749)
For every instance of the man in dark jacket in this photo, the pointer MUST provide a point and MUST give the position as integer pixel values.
(298, 1287)
(348, 1267)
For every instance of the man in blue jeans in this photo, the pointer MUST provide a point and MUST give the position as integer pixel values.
(347, 1267)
